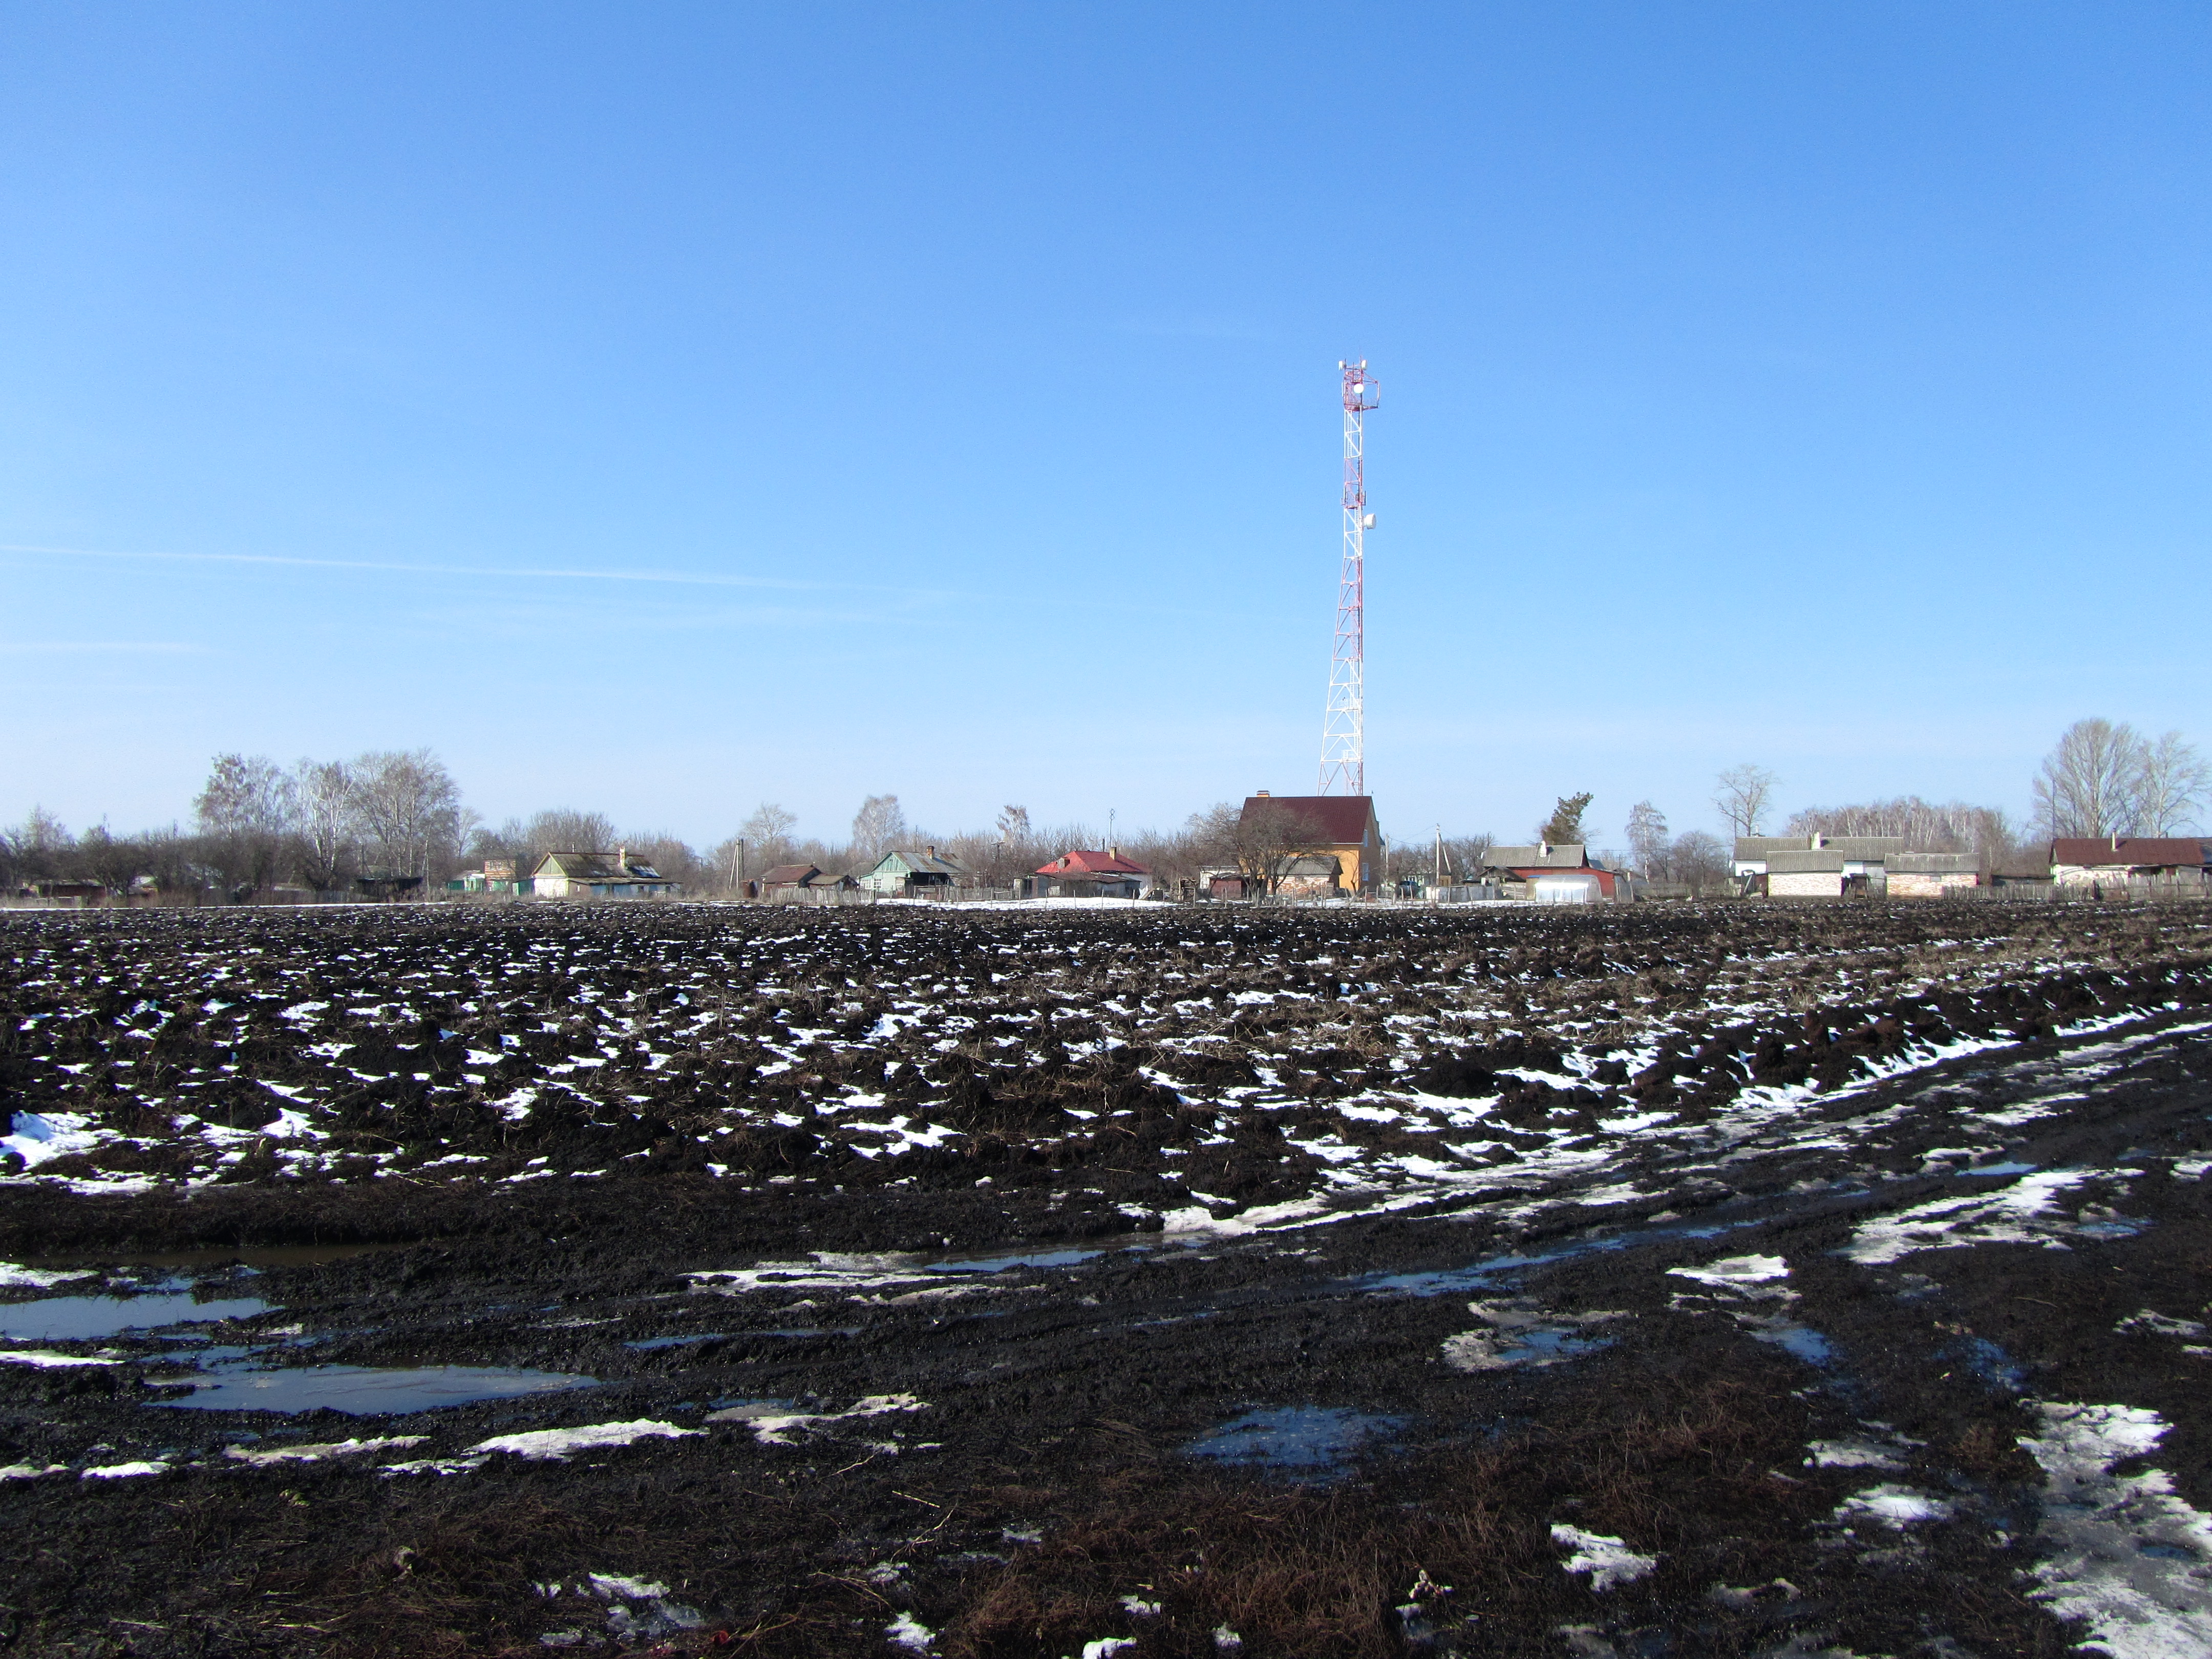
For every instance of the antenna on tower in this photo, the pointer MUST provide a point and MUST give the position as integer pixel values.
(1344, 726)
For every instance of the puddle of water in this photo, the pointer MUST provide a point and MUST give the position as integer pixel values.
(651, 1343)
(2011, 1169)
(1296, 1439)
(1802, 1340)
(999, 1264)
(1552, 1345)
(88, 1318)
(1990, 1364)
(1480, 1274)
(254, 1256)
(366, 1391)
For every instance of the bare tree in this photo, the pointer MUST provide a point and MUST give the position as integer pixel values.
(1647, 837)
(326, 821)
(1745, 794)
(1270, 835)
(1564, 826)
(565, 830)
(2171, 782)
(767, 835)
(245, 811)
(1013, 824)
(1464, 855)
(409, 807)
(878, 826)
(1927, 827)
(1699, 861)
(2091, 783)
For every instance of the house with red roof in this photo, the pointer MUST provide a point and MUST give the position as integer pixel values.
(1086, 872)
(1342, 826)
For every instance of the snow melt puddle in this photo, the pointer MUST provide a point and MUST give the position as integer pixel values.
(1607, 1560)
(1522, 1334)
(365, 1391)
(2127, 1556)
(88, 1318)
(2026, 1213)
(1296, 1439)
(1479, 1275)
(1755, 1280)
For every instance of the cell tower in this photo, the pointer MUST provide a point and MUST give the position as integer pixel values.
(1344, 726)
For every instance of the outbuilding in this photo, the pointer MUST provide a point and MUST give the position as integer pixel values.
(1557, 873)
(1932, 875)
(2079, 860)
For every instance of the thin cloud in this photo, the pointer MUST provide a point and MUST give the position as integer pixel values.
(665, 578)
(134, 648)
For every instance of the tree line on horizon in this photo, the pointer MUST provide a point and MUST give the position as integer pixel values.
(323, 824)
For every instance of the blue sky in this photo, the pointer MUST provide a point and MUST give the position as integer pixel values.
(661, 410)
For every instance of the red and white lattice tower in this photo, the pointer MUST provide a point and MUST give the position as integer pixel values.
(1344, 727)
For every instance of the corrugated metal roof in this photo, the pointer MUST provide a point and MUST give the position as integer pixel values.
(789, 875)
(1346, 819)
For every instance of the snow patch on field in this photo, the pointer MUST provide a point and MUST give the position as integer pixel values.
(773, 1427)
(38, 1279)
(2128, 1557)
(318, 1453)
(2024, 1212)
(1608, 1561)
(40, 1357)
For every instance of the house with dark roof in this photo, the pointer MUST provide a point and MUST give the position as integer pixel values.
(1087, 872)
(2079, 860)
(614, 875)
(912, 869)
(1348, 832)
(786, 880)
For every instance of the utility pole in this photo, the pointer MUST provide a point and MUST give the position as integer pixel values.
(1344, 725)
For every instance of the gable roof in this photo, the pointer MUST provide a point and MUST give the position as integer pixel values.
(788, 875)
(923, 861)
(2099, 852)
(1933, 864)
(1088, 861)
(1347, 820)
(1560, 855)
(593, 866)
(1806, 862)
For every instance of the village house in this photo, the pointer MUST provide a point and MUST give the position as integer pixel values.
(1563, 873)
(2079, 861)
(1085, 873)
(1858, 860)
(599, 875)
(1932, 875)
(911, 870)
(789, 880)
(1350, 833)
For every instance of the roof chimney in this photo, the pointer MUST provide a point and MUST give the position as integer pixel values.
(622, 857)
(1261, 793)
(931, 850)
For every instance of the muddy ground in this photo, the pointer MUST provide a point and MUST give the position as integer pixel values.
(1672, 1280)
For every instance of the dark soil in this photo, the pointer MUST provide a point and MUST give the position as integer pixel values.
(1265, 1157)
